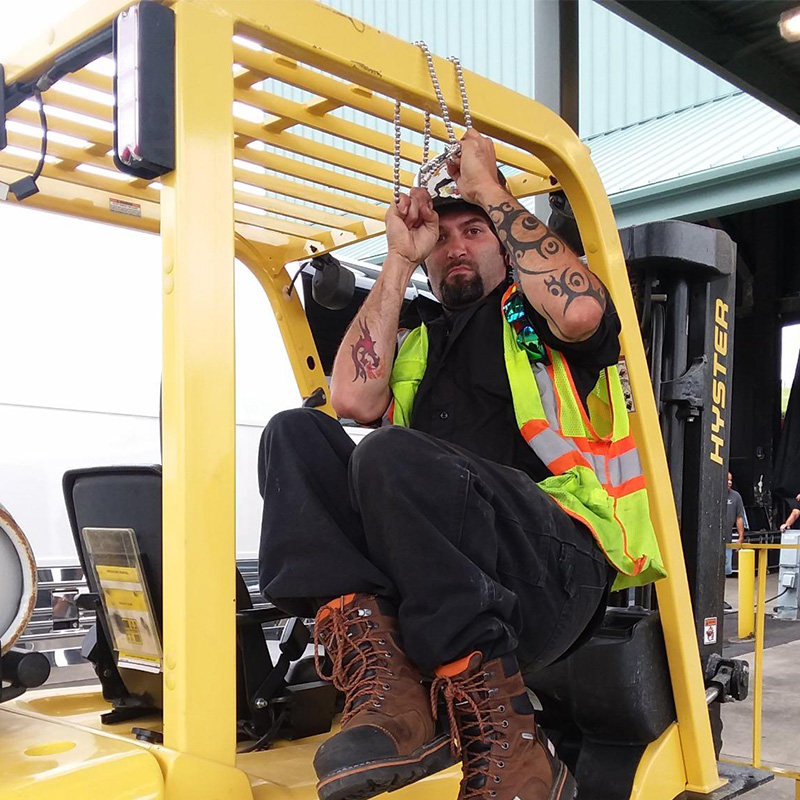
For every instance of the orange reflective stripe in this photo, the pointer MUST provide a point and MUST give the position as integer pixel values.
(629, 487)
(605, 447)
(571, 459)
(532, 428)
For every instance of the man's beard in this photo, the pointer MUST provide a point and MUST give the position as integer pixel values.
(461, 290)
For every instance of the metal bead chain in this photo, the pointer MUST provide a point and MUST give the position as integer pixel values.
(463, 89)
(454, 148)
(426, 140)
(397, 135)
(438, 91)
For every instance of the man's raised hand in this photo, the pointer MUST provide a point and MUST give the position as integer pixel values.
(412, 226)
(475, 170)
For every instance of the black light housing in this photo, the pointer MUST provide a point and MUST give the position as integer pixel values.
(144, 90)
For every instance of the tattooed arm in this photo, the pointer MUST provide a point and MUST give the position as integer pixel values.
(360, 377)
(554, 280)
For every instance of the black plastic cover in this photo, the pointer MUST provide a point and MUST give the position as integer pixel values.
(156, 93)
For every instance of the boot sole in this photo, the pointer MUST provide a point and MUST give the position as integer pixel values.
(564, 785)
(387, 775)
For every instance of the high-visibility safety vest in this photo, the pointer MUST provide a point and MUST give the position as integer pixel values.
(597, 476)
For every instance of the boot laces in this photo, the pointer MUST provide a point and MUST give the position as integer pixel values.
(357, 650)
(469, 705)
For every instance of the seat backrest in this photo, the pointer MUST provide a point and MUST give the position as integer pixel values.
(121, 497)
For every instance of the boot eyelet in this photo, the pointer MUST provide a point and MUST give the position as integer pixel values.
(390, 674)
(501, 764)
(377, 705)
(504, 723)
(501, 709)
(381, 697)
(497, 779)
(492, 794)
(385, 687)
(388, 654)
(381, 641)
(504, 745)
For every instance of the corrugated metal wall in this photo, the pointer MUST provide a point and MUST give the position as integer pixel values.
(491, 37)
(627, 76)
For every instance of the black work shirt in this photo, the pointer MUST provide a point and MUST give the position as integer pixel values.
(465, 397)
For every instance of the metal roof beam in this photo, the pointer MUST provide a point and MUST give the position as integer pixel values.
(698, 35)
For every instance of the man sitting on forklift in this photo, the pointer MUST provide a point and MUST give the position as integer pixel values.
(479, 532)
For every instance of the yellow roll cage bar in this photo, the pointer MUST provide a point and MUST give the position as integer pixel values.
(240, 190)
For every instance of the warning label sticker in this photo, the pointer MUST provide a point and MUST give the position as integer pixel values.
(124, 207)
(710, 630)
(625, 380)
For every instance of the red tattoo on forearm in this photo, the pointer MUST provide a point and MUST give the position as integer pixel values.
(367, 362)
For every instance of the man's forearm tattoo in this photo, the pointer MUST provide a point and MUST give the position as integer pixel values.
(521, 233)
(574, 283)
(367, 362)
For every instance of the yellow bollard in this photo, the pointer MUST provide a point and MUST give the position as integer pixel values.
(747, 579)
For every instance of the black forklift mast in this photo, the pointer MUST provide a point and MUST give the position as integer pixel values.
(685, 276)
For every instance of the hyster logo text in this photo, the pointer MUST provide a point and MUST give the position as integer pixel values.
(718, 375)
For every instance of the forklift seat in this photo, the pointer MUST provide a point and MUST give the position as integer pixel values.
(604, 703)
(130, 497)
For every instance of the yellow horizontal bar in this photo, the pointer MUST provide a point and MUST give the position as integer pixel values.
(64, 171)
(56, 96)
(319, 196)
(321, 152)
(753, 546)
(350, 131)
(288, 71)
(309, 172)
(272, 223)
(101, 140)
(92, 80)
(326, 219)
(71, 157)
(80, 197)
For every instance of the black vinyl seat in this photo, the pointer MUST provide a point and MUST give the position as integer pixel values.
(122, 497)
(605, 702)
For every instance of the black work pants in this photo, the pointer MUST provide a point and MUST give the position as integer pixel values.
(474, 555)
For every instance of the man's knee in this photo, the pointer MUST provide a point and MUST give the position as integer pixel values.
(380, 451)
(293, 421)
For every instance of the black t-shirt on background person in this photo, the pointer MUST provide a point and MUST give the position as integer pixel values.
(465, 398)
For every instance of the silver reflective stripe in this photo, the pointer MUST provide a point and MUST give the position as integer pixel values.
(624, 467)
(548, 394)
(549, 445)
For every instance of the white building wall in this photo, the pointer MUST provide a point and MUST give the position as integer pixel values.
(80, 367)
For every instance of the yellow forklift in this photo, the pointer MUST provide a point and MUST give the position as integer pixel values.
(189, 701)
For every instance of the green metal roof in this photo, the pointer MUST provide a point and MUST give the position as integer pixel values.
(713, 158)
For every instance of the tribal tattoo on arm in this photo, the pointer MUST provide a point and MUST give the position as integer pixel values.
(531, 245)
(367, 362)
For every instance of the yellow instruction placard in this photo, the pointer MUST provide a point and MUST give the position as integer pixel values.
(125, 597)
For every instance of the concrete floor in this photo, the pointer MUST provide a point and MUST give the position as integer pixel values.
(780, 741)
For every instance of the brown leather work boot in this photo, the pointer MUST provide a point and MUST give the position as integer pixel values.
(505, 755)
(388, 735)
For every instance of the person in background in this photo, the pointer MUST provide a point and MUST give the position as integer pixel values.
(734, 524)
(793, 514)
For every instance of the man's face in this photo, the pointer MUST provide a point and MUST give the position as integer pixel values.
(467, 261)
(730, 481)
